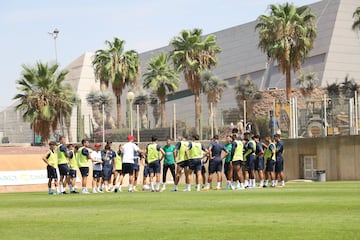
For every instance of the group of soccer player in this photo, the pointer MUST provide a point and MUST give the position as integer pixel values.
(242, 159)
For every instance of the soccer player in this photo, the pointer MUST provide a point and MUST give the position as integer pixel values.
(137, 156)
(195, 154)
(237, 160)
(128, 159)
(259, 162)
(215, 164)
(52, 164)
(182, 163)
(73, 167)
(154, 155)
(83, 162)
(250, 158)
(270, 158)
(279, 164)
(107, 157)
(62, 156)
(118, 176)
(169, 162)
(227, 164)
(97, 168)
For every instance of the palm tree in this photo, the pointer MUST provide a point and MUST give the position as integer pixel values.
(213, 87)
(161, 78)
(307, 83)
(96, 100)
(246, 90)
(118, 67)
(349, 87)
(142, 100)
(192, 54)
(287, 36)
(44, 99)
(356, 15)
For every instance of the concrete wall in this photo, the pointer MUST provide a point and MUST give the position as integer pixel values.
(337, 155)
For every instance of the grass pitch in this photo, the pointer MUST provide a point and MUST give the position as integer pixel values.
(328, 210)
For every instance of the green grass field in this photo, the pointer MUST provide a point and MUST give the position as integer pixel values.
(328, 210)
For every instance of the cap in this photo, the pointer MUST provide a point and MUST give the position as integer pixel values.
(97, 145)
(131, 138)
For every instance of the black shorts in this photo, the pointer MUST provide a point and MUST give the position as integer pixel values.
(128, 168)
(270, 166)
(64, 169)
(183, 164)
(250, 162)
(215, 165)
(279, 164)
(136, 167)
(84, 171)
(195, 164)
(72, 173)
(238, 163)
(51, 172)
(107, 172)
(259, 164)
(97, 174)
(146, 171)
(155, 167)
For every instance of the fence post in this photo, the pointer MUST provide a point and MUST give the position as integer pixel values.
(174, 116)
(325, 116)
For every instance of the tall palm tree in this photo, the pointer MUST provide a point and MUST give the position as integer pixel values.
(44, 99)
(287, 36)
(162, 79)
(213, 87)
(192, 54)
(356, 15)
(119, 67)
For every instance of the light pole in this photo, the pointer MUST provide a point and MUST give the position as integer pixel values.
(54, 35)
(130, 97)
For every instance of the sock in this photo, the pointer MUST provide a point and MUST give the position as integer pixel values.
(261, 183)
(266, 182)
(282, 183)
(175, 187)
(219, 184)
(276, 182)
(152, 186)
(198, 187)
(50, 190)
(130, 187)
(188, 186)
(157, 186)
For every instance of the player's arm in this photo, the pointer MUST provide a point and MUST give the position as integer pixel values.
(45, 157)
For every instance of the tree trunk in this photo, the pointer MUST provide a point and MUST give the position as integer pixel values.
(119, 113)
(288, 82)
(214, 118)
(197, 112)
(163, 114)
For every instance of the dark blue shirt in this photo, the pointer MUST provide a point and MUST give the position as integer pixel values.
(280, 147)
(85, 152)
(216, 149)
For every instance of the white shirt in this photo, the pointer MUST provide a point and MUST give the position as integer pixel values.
(128, 152)
(96, 156)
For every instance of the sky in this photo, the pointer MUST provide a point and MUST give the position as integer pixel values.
(84, 26)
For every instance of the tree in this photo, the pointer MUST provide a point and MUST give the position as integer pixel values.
(96, 100)
(287, 36)
(162, 79)
(213, 87)
(246, 90)
(45, 100)
(118, 67)
(307, 83)
(191, 55)
(349, 87)
(356, 16)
